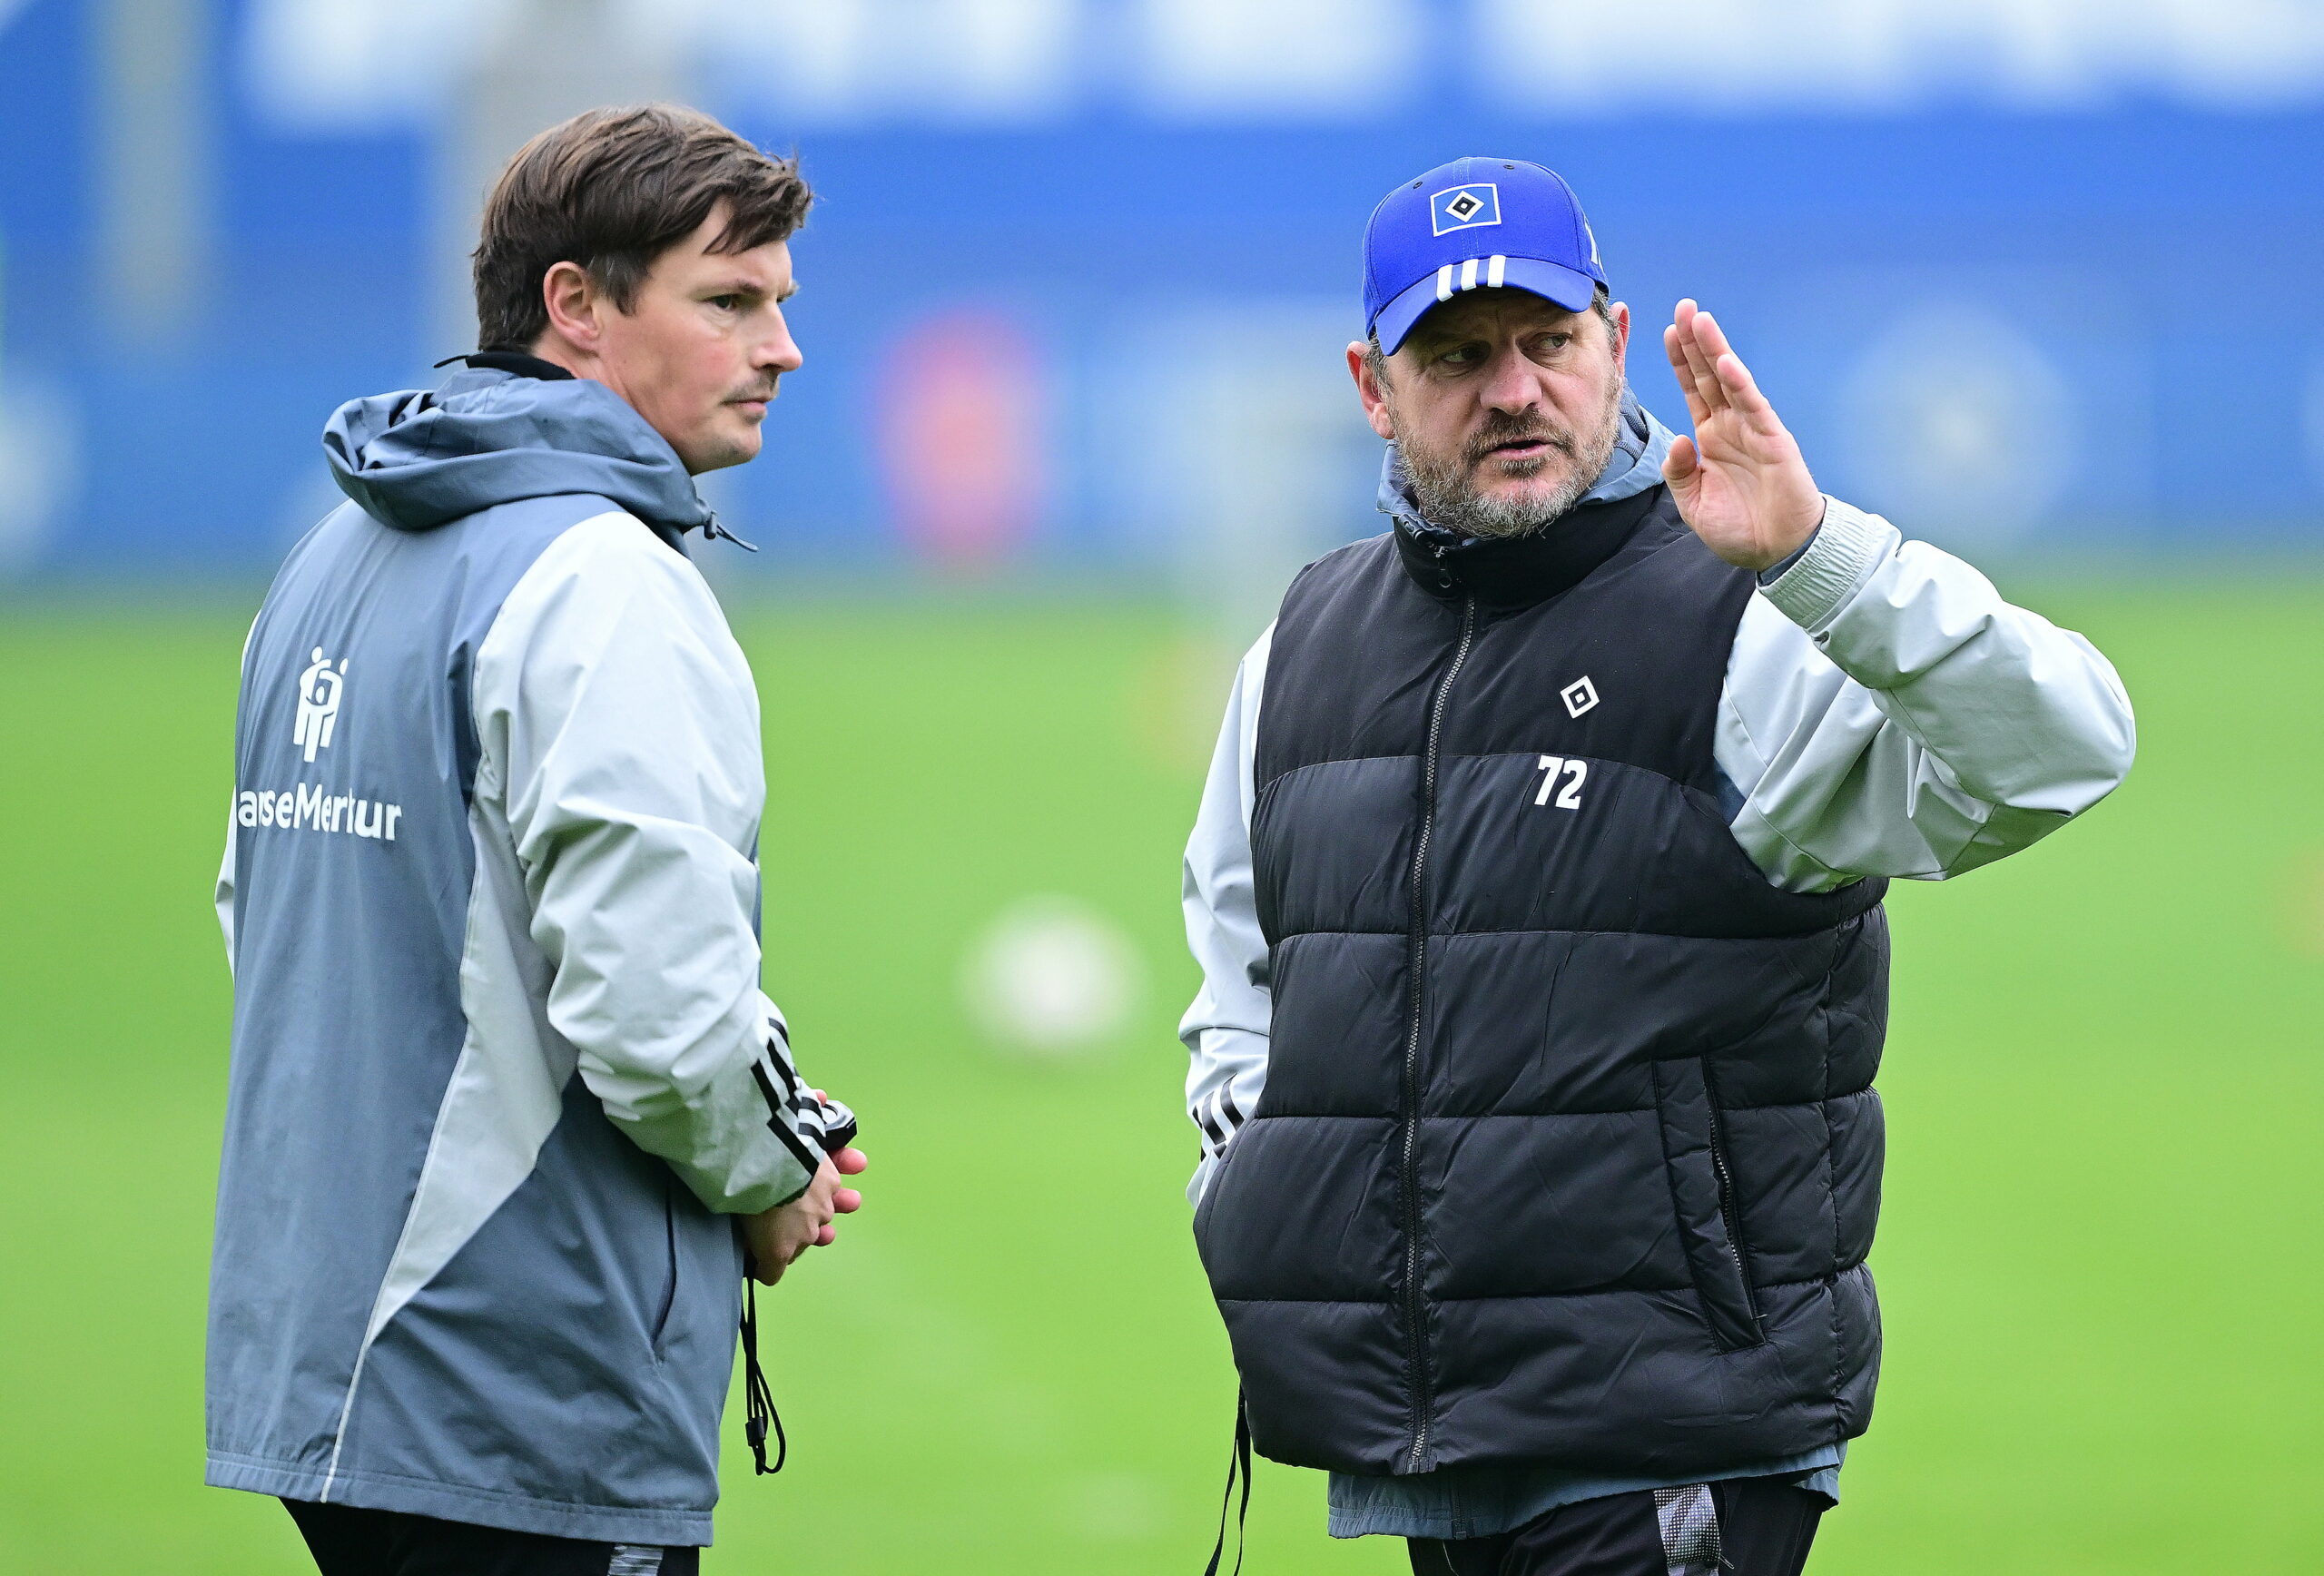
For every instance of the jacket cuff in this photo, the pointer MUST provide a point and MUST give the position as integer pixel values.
(776, 1180)
(1845, 550)
(1775, 572)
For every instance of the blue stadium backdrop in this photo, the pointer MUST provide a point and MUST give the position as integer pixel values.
(2024, 273)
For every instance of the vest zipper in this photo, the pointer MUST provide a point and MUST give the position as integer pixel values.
(1422, 1381)
(1727, 1209)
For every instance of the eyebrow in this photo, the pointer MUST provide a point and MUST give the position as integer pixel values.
(744, 287)
(1430, 342)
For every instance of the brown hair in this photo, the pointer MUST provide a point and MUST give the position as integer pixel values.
(612, 189)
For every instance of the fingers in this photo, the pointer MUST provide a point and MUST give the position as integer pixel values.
(1743, 392)
(1734, 378)
(781, 1236)
(1736, 386)
(1692, 323)
(1708, 336)
(1679, 369)
(1682, 461)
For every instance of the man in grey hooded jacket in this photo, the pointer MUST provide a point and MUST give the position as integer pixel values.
(508, 1116)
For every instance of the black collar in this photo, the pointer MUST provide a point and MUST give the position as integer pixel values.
(1514, 571)
(515, 362)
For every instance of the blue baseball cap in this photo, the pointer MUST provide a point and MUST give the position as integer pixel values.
(1472, 222)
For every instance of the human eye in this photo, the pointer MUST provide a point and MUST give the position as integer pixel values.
(1549, 347)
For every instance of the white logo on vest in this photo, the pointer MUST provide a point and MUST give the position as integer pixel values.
(1578, 696)
(317, 717)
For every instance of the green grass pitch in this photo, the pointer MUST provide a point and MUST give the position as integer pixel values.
(2101, 1257)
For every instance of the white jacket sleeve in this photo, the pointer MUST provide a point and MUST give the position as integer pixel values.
(1225, 1028)
(620, 738)
(1887, 714)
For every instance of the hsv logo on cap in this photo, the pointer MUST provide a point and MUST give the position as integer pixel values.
(1465, 208)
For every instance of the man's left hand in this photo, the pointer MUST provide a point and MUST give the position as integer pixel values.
(1738, 481)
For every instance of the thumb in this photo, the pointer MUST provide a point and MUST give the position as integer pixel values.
(1682, 462)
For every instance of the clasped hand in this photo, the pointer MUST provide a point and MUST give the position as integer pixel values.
(775, 1239)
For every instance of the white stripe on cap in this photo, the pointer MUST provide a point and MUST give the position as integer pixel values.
(1495, 270)
(1444, 282)
(1469, 274)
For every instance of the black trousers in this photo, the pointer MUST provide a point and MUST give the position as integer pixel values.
(348, 1541)
(1746, 1527)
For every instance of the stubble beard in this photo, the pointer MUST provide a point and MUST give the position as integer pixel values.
(1444, 483)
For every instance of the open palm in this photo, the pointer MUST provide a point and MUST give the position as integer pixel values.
(1739, 481)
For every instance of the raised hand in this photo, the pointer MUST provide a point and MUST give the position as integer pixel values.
(1739, 481)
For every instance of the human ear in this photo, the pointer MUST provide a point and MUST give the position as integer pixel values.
(572, 300)
(1374, 399)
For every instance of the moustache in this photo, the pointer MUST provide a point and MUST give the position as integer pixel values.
(1501, 428)
(762, 394)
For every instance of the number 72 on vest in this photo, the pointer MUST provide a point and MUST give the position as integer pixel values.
(1569, 796)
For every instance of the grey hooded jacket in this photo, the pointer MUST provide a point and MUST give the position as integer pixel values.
(501, 1066)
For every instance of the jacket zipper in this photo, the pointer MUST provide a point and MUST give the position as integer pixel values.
(1727, 1212)
(1423, 1399)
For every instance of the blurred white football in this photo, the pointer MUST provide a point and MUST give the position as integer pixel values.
(1115, 1507)
(1052, 977)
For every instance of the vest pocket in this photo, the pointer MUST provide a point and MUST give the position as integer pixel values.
(1702, 1193)
(1208, 1206)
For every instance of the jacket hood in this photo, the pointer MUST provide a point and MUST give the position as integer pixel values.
(418, 459)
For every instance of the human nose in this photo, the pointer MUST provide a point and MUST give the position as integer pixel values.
(1511, 382)
(779, 352)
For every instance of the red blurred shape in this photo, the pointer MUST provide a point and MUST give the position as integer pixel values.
(960, 419)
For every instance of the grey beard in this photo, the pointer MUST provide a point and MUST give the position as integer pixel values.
(1451, 502)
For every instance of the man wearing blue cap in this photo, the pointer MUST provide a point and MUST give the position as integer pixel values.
(1537, 889)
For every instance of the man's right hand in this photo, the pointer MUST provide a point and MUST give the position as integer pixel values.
(776, 1237)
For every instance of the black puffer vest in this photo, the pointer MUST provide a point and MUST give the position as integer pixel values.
(1567, 1151)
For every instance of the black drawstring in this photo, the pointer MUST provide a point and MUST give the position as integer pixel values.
(1240, 1461)
(835, 1128)
(758, 1400)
